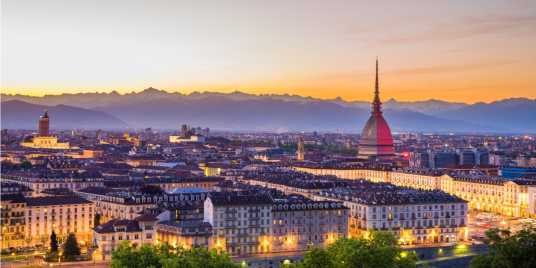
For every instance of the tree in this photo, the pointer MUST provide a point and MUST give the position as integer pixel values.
(53, 243)
(26, 164)
(165, 257)
(96, 219)
(317, 257)
(508, 250)
(198, 257)
(380, 251)
(70, 248)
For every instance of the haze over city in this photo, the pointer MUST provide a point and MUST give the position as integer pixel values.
(454, 51)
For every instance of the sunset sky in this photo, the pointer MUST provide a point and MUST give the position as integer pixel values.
(452, 50)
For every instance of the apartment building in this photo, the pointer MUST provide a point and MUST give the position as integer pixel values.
(241, 222)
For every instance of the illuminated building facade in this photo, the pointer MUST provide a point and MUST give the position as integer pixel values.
(482, 192)
(61, 214)
(39, 181)
(185, 234)
(299, 223)
(44, 125)
(192, 138)
(413, 216)
(44, 140)
(300, 153)
(240, 222)
(13, 221)
(108, 236)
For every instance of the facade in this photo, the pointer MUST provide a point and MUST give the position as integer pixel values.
(443, 159)
(467, 157)
(42, 180)
(44, 125)
(419, 159)
(7, 188)
(48, 142)
(13, 221)
(44, 140)
(299, 223)
(300, 153)
(61, 214)
(112, 204)
(30, 221)
(185, 234)
(376, 141)
(169, 184)
(108, 236)
(240, 222)
(486, 193)
(413, 216)
(192, 138)
(518, 172)
(482, 192)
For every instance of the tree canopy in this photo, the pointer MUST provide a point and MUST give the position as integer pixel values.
(165, 257)
(96, 219)
(70, 248)
(379, 250)
(53, 242)
(507, 250)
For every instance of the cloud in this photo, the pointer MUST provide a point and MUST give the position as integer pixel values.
(467, 27)
(450, 68)
(424, 70)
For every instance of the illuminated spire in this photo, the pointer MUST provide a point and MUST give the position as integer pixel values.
(377, 104)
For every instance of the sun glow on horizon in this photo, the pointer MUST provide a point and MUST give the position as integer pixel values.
(482, 52)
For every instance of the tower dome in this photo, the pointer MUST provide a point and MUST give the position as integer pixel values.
(376, 141)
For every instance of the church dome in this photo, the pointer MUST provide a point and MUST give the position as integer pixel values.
(376, 139)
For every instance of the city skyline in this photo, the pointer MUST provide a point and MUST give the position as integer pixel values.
(301, 133)
(481, 52)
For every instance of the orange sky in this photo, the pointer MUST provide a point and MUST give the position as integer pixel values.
(450, 50)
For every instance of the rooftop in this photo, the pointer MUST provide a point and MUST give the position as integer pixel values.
(391, 195)
(130, 226)
(239, 199)
(55, 201)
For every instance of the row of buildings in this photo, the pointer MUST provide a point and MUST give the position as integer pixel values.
(458, 158)
(240, 223)
(414, 216)
(29, 221)
(511, 197)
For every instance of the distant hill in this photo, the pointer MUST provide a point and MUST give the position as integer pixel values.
(22, 115)
(92, 100)
(431, 107)
(241, 111)
(518, 115)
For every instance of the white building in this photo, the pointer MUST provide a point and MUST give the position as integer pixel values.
(61, 214)
(414, 216)
(108, 236)
(240, 223)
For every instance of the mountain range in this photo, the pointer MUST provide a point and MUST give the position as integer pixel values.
(241, 111)
(23, 115)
